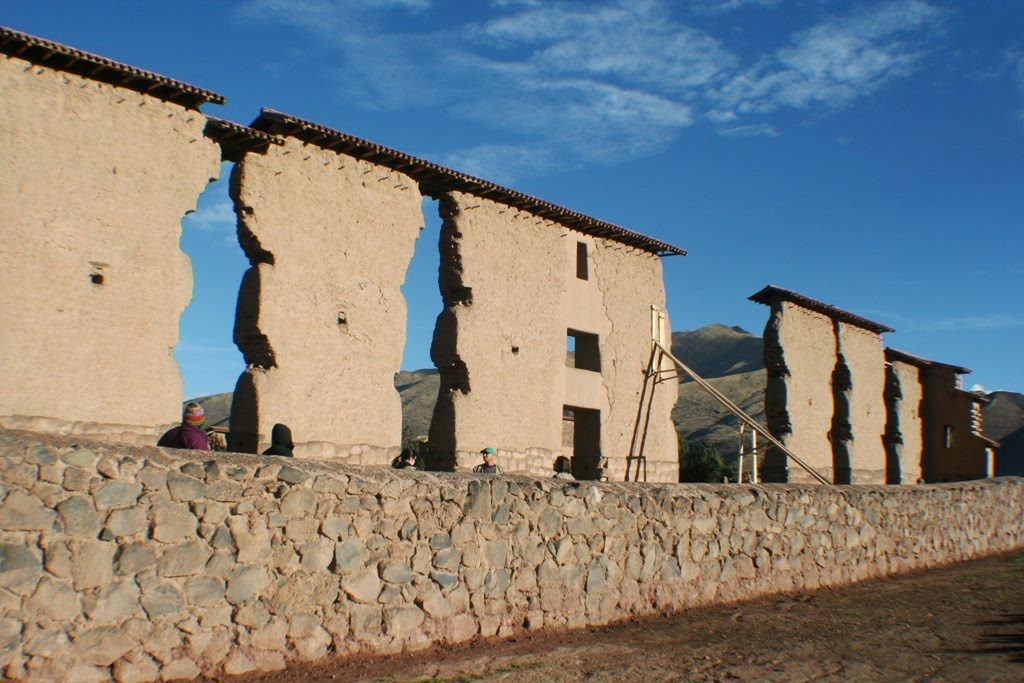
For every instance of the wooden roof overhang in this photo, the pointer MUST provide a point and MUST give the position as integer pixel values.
(72, 60)
(236, 140)
(435, 180)
(911, 359)
(771, 293)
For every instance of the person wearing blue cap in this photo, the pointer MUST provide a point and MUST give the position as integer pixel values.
(488, 466)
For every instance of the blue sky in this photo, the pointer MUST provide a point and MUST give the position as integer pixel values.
(867, 154)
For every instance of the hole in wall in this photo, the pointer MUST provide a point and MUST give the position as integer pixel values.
(582, 266)
(210, 362)
(515, 350)
(418, 380)
(96, 278)
(582, 350)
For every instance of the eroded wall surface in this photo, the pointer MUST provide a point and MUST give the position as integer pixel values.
(512, 293)
(141, 563)
(321, 318)
(904, 435)
(631, 282)
(95, 180)
(800, 356)
(861, 447)
(500, 343)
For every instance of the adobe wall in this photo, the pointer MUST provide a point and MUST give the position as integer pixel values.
(864, 405)
(500, 342)
(631, 283)
(141, 563)
(904, 435)
(321, 318)
(511, 293)
(800, 356)
(96, 180)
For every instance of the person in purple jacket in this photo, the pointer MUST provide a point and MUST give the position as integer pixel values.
(189, 434)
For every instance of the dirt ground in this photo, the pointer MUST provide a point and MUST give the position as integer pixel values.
(960, 623)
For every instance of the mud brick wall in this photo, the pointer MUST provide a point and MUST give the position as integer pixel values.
(858, 444)
(904, 429)
(321, 318)
(140, 563)
(95, 181)
(800, 356)
(630, 283)
(511, 293)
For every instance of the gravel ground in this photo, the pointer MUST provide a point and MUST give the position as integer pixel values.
(959, 623)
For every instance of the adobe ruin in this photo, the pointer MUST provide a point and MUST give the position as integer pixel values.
(329, 222)
(857, 412)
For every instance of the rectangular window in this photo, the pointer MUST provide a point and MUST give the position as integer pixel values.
(947, 436)
(582, 350)
(582, 271)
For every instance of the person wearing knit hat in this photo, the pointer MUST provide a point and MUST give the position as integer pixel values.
(189, 434)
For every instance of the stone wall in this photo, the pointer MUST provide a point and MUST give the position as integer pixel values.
(800, 355)
(321, 318)
(95, 181)
(141, 563)
(512, 291)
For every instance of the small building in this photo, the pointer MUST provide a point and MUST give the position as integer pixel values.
(944, 442)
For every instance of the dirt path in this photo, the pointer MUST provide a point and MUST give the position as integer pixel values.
(962, 623)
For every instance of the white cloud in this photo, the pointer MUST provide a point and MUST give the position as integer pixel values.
(988, 322)
(835, 62)
(217, 219)
(750, 131)
(723, 6)
(599, 81)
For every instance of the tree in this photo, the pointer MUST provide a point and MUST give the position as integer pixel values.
(701, 462)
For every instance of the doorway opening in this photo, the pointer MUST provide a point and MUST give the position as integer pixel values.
(581, 439)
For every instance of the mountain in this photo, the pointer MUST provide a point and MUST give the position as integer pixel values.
(731, 360)
(718, 351)
(418, 389)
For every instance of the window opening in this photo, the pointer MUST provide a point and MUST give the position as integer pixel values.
(582, 350)
(582, 270)
(947, 436)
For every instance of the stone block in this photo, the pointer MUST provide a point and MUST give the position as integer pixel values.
(23, 512)
(179, 670)
(20, 568)
(185, 488)
(173, 523)
(92, 564)
(162, 599)
(183, 559)
(204, 591)
(103, 645)
(127, 522)
(402, 621)
(114, 603)
(133, 558)
(143, 670)
(364, 587)
(246, 583)
(114, 494)
(350, 556)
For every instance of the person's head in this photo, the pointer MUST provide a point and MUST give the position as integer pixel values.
(281, 435)
(562, 464)
(193, 415)
(489, 455)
